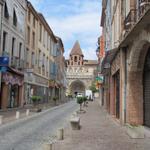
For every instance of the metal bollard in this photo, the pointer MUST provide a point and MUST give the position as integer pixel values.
(17, 114)
(60, 134)
(1, 120)
(27, 112)
(48, 146)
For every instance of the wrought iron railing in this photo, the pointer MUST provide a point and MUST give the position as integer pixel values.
(144, 5)
(14, 62)
(130, 20)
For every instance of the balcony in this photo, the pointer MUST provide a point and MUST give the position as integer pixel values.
(130, 20)
(14, 62)
(144, 5)
(20, 64)
(17, 63)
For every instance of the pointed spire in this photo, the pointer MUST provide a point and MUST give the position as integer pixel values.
(76, 50)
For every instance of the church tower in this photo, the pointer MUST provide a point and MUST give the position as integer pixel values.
(76, 56)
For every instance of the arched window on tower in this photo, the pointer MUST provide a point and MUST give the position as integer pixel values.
(75, 58)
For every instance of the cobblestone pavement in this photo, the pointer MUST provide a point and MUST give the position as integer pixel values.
(31, 132)
(99, 132)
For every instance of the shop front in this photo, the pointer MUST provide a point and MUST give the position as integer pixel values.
(36, 85)
(11, 90)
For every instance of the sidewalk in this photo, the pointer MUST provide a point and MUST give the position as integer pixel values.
(10, 114)
(99, 132)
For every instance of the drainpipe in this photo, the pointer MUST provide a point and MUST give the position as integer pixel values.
(125, 85)
(1, 47)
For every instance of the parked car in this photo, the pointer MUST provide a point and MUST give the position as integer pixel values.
(79, 95)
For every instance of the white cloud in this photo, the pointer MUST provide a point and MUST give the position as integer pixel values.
(75, 20)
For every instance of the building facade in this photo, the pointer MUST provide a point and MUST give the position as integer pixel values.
(40, 52)
(127, 63)
(80, 72)
(13, 32)
(35, 63)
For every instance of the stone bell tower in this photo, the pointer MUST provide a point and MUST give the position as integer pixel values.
(76, 56)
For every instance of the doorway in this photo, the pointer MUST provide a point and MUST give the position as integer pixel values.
(146, 85)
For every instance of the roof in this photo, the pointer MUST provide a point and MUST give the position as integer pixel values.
(76, 50)
(46, 25)
(90, 62)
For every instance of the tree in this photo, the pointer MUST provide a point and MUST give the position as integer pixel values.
(93, 88)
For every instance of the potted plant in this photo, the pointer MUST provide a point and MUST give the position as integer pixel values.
(85, 100)
(35, 100)
(55, 99)
(80, 101)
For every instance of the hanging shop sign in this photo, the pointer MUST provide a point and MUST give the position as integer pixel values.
(4, 61)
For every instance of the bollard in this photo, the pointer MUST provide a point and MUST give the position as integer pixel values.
(60, 134)
(17, 114)
(1, 120)
(27, 112)
(48, 146)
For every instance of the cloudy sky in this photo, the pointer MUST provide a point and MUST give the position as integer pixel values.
(73, 20)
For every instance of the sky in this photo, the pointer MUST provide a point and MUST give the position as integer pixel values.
(73, 20)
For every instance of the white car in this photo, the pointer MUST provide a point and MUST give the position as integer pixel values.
(79, 95)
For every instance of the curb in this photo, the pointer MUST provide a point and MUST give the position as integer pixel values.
(22, 120)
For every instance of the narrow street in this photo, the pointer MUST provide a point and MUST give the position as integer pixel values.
(29, 134)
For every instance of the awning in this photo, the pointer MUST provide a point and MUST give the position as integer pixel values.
(108, 59)
(10, 69)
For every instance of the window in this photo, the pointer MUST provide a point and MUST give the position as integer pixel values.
(6, 14)
(28, 35)
(40, 59)
(32, 59)
(40, 37)
(33, 40)
(29, 16)
(13, 45)
(27, 56)
(43, 61)
(34, 21)
(75, 58)
(4, 41)
(20, 49)
(14, 18)
(44, 35)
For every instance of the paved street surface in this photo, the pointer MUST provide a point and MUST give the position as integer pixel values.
(99, 132)
(30, 133)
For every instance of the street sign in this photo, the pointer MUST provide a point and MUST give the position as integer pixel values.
(4, 61)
